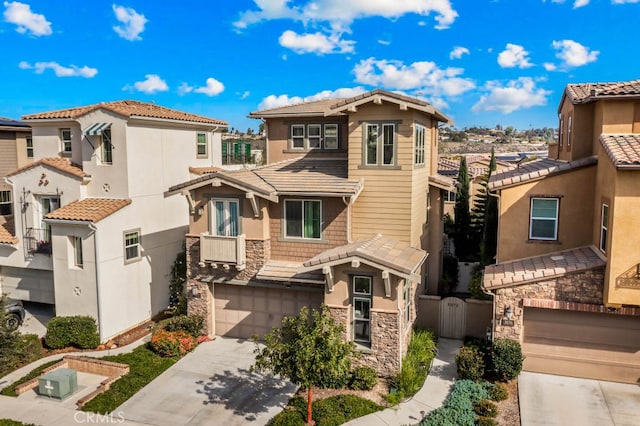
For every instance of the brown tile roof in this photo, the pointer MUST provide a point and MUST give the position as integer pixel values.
(586, 92)
(313, 108)
(61, 164)
(7, 231)
(203, 170)
(543, 267)
(378, 251)
(535, 170)
(89, 209)
(128, 109)
(448, 167)
(442, 182)
(622, 149)
(275, 270)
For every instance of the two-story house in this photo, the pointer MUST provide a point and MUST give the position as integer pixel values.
(94, 234)
(567, 278)
(346, 213)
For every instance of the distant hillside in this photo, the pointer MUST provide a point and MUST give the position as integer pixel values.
(482, 139)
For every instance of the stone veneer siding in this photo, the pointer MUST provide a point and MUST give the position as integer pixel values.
(582, 287)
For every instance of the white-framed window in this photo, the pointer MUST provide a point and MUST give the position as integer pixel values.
(362, 290)
(76, 246)
(297, 136)
(569, 131)
(29, 147)
(420, 134)
(561, 131)
(303, 219)
(315, 135)
(106, 148)
(543, 223)
(201, 144)
(406, 294)
(380, 142)
(449, 196)
(65, 139)
(604, 227)
(225, 217)
(132, 251)
(5, 203)
(330, 136)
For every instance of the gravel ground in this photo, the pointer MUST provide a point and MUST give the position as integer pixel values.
(509, 409)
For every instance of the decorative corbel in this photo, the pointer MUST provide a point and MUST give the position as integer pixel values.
(254, 204)
(192, 204)
(328, 277)
(387, 283)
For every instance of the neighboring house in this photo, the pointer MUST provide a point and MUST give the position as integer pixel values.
(344, 214)
(567, 278)
(94, 234)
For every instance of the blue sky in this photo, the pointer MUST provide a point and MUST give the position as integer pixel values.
(481, 62)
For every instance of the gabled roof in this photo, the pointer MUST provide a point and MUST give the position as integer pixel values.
(58, 163)
(340, 106)
(89, 209)
(589, 92)
(278, 270)
(442, 182)
(539, 268)
(378, 251)
(623, 149)
(129, 109)
(7, 231)
(535, 170)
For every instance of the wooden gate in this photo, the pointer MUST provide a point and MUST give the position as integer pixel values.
(452, 317)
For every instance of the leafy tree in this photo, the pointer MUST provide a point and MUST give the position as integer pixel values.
(178, 276)
(309, 353)
(261, 128)
(461, 237)
(489, 243)
(9, 339)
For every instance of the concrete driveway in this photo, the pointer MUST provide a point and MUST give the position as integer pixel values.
(36, 318)
(211, 385)
(557, 400)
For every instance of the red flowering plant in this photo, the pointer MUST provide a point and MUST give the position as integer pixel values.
(172, 343)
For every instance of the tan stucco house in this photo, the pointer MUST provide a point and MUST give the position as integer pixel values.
(346, 213)
(567, 278)
(94, 234)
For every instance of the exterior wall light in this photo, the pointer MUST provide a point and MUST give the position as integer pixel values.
(508, 313)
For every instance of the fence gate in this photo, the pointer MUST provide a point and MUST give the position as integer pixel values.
(452, 317)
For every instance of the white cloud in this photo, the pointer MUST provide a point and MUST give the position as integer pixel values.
(341, 13)
(244, 95)
(624, 1)
(277, 101)
(384, 42)
(132, 23)
(549, 66)
(315, 43)
(516, 94)
(212, 88)
(574, 54)
(59, 70)
(580, 3)
(424, 76)
(514, 55)
(457, 52)
(152, 84)
(27, 21)
(184, 88)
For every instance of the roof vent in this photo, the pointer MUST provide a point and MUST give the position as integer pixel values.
(557, 258)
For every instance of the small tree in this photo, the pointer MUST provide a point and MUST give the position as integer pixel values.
(307, 352)
(461, 211)
(177, 299)
(489, 240)
(9, 339)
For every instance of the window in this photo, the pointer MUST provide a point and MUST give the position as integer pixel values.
(569, 132)
(201, 144)
(407, 302)
(106, 147)
(449, 197)
(131, 246)
(5, 203)
(303, 219)
(380, 144)
(362, 290)
(330, 136)
(76, 245)
(420, 131)
(65, 137)
(560, 131)
(604, 221)
(314, 136)
(29, 147)
(544, 219)
(225, 217)
(297, 136)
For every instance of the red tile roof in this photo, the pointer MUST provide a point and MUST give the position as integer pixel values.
(7, 231)
(622, 149)
(535, 170)
(543, 267)
(587, 92)
(128, 109)
(61, 164)
(89, 209)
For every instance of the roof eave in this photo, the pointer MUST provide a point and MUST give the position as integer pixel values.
(188, 122)
(404, 273)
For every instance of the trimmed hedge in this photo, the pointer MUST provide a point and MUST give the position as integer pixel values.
(498, 392)
(192, 324)
(485, 408)
(332, 411)
(507, 358)
(470, 363)
(78, 331)
(363, 378)
(458, 408)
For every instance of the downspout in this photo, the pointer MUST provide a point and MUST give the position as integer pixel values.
(213, 131)
(347, 202)
(97, 268)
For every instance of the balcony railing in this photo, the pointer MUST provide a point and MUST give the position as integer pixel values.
(224, 250)
(38, 241)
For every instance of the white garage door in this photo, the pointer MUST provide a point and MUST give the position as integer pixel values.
(32, 285)
(244, 311)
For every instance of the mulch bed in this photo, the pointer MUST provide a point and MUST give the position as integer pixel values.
(509, 409)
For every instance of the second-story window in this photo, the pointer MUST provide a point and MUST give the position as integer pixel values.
(303, 219)
(225, 217)
(29, 147)
(132, 246)
(330, 136)
(568, 131)
(297, 136)
(420, 133)
(5, 203)
(76, 245)
(314, 136)
(380, 144)
(604, 227)
(561, 132)
(201, 144)
(65, 138)
(543, 220)
(106, 147)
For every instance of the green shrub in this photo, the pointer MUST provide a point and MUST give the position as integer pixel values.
(449, 280)
(475, 285)
(415, 365)
(457, 410)
(497, 392)
(470, 363)
(192, 324)
(9, 422)
(363, 378)
(507, 358)
(486, 421)
(485, 408)
(172, 343)
(78, 331)
(288, 417)
(332, 411)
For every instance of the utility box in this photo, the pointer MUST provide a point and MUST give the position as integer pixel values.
(59, 383)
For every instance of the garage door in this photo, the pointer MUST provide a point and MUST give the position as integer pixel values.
(242, 311)
(581, 344)
(28, 284)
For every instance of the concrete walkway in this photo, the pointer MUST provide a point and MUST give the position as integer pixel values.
(436, 388)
